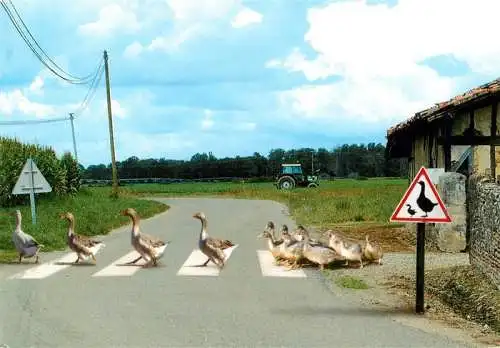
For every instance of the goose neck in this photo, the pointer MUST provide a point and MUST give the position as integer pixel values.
(71, 227)
(203, 232)
(135, 225)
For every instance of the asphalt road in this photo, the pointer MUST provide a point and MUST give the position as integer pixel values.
(158, 308)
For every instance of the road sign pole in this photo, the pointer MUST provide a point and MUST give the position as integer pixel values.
(421, 199)
(32, 193)
(420, 271)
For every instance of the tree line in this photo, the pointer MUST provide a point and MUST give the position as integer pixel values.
(355, 160)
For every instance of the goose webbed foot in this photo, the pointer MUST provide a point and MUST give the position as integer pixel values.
(134, 261)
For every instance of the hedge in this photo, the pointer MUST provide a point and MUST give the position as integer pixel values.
(63, 175)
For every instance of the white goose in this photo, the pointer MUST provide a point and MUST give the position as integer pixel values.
(25, 244)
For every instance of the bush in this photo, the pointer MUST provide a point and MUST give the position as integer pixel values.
(13, 156)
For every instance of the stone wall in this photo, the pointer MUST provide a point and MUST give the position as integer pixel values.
(451, 237)
(484, 220)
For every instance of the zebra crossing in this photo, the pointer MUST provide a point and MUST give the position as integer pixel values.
(189, 268)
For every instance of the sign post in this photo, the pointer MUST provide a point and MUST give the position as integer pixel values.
(421, 204)
(31, 181)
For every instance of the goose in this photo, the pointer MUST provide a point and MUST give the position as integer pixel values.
(349, 251)
(25, 244)
(299, 235)
(410, 210)
(81, 245)
(272, 245)
(150, 248)
(291, 250)
(318, 254)
(373, 252)
(423, 202)
(210, 246)
(270, 227)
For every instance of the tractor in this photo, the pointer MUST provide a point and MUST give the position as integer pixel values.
(291, 176)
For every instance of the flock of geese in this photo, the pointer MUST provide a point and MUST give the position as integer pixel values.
(291, 248)
(149, 248)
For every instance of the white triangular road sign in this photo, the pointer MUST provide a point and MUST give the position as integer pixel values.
(421, 202)
(31, 177)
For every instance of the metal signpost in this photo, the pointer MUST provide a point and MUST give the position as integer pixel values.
(31, 181)
(421, 204)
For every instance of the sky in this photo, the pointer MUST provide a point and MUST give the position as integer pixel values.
(234, 77)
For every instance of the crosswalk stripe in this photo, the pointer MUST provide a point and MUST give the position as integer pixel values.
(269, 269)
(118, 267)
(198, 258)
(46, 269)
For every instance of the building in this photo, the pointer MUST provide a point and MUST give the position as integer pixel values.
(460, 134)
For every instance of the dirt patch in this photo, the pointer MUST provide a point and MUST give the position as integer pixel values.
(392, 239)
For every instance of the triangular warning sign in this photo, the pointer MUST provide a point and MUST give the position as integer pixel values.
(31, 177)
(421, 202)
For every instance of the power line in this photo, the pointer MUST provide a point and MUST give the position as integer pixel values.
(71, 79)
(92, 89)
(26, 122)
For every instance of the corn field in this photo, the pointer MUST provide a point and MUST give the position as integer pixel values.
(62, 174)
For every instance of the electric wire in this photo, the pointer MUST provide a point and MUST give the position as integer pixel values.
(26, 122)
(92, 90)
(42, 50)
(37, 54)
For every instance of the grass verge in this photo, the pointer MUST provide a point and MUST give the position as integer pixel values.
(467, 292)
(96, 213)
(353, 207)
(350, 282)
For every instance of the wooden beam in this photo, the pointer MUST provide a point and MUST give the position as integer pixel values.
(472, 141)
(447, 142)
(430, 143)
(493, 162)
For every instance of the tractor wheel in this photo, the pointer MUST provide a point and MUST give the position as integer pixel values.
(286, 183)
(312, 184)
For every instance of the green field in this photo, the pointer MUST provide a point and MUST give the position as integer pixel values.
(341, 201)
(353, 206)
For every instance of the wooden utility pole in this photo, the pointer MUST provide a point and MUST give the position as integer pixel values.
(114, 173)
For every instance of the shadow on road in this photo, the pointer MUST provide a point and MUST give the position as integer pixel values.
(343, 311)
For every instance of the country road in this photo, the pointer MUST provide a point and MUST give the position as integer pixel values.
(248, 304)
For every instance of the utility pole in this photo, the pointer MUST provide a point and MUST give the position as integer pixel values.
(71, 118)
(114, 174)
(312, 162)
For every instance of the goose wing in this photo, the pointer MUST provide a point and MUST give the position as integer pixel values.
(26, 240)
(152, 241)
(218, 243)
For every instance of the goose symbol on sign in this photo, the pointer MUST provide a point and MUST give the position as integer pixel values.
(422, 202)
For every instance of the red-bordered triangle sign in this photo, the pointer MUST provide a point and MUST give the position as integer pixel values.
(421, 202)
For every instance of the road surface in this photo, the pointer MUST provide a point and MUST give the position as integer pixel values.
(248, 304)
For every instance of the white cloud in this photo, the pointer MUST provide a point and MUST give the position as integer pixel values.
(36, 86)
(200, 17)
(133, 50)
(16, 102)
(112, 17)
(246, 17)
(207, 122)
(377, 50)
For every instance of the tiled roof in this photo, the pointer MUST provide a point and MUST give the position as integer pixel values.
(473, 94)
